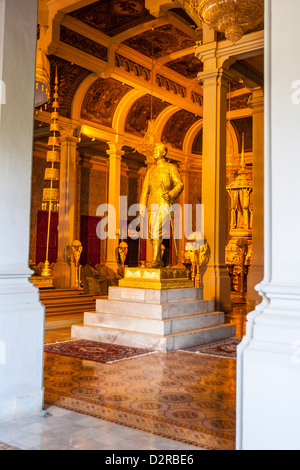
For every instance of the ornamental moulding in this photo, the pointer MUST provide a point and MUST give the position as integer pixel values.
(169, 85)
(132, 67)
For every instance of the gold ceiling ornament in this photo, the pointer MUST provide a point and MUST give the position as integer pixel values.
(232, 17)
(51, 194)
(42, 79)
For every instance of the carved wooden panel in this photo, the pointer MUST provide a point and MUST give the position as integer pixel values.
(102, 99)
(188, 66)
(132, 67)
(70, 77)
(140, 113)
(113, 16)
(160, 42)
(82, 43)
(177, 127)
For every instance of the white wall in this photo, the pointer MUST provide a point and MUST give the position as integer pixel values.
(268, 385)
(21, 314)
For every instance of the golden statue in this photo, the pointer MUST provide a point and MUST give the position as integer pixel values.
(162, 186)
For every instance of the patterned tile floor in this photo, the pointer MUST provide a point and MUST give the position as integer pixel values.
(174, 395)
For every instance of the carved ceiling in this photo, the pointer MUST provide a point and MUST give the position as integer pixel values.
(160, 42)
(113, 16)
(189, 66)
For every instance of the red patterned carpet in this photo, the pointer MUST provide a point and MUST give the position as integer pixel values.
(94, 351)
(225, 348)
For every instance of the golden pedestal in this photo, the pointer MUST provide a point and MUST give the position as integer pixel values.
(42, 282)
(156, 279)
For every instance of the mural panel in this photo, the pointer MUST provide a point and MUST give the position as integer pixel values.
(177, 127)
(102, 99)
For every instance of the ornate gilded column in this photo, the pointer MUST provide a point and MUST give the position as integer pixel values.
(256, 274)
(64, 270)
(216, 280)
(115, 153)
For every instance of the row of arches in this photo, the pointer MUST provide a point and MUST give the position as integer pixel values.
(107, 103)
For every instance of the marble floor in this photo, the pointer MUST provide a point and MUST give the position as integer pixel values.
(66, 429)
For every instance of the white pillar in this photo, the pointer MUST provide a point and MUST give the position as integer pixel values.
(21, 313)
(115, 153)
(268, 380)
(256, 272)
(64, 267)
(216, 281)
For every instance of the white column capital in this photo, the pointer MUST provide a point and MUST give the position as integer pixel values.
(70, 133)
(216, 76)
(257, 100)
(115, 149)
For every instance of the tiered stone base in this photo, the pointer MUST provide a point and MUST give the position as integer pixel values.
(161, 320)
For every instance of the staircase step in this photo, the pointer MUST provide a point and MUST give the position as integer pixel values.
(176, 324)
(70, 302)
(151, 341)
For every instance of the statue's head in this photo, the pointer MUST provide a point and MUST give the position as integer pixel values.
(160, 151)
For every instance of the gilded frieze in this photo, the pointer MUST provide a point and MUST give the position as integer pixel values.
(162, 41)
(132, 67)
(113, 16)
(169, 85)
